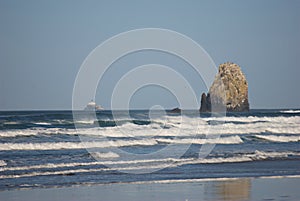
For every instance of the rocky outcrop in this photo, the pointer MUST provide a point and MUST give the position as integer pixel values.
(176, 110)
(205, 103)
(229, 89)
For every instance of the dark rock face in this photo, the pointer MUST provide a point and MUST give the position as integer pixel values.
(175, 110)
(203, 107)
(229, 89)
(205, 103)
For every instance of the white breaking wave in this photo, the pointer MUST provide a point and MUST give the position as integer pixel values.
(75, 145)
(37, 131)
(130, 130)
(172, 181)
(279, 138)
(2, 163)
(100, 155)
(115, 162)
(116, 143)
(89, 121)
(290, 111)
(11, 123)
(254, 119)
(221, 140)
(43, 123)
(172, 126)
(143, 164)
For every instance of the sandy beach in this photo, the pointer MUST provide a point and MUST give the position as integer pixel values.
(268, 188)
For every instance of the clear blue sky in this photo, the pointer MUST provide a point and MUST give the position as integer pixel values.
(43, 44)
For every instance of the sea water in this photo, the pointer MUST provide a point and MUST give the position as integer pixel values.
(52, 149)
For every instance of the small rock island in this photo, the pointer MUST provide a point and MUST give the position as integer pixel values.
(230, 88)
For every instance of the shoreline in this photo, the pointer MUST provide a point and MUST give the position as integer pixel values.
(243, 188)
(149, 182)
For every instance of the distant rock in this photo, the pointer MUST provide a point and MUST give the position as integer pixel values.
(230, 89)
(205, 107)
(92, 106)
(176, 110)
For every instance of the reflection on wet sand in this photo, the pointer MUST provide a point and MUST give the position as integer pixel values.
(233, 190)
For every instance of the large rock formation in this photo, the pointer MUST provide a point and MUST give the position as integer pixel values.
(229, 89)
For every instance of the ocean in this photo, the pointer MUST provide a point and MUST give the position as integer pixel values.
(45, 149)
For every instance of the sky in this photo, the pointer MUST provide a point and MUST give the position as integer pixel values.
(44, 43)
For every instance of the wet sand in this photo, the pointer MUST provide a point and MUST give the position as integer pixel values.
(268, 188)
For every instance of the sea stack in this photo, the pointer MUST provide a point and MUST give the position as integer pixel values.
(230, 89)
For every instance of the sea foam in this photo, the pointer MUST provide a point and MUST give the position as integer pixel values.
(279, 138)
(290, 111)
(116, 143)
(133, 165)
(177, 126)
(2, 163)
